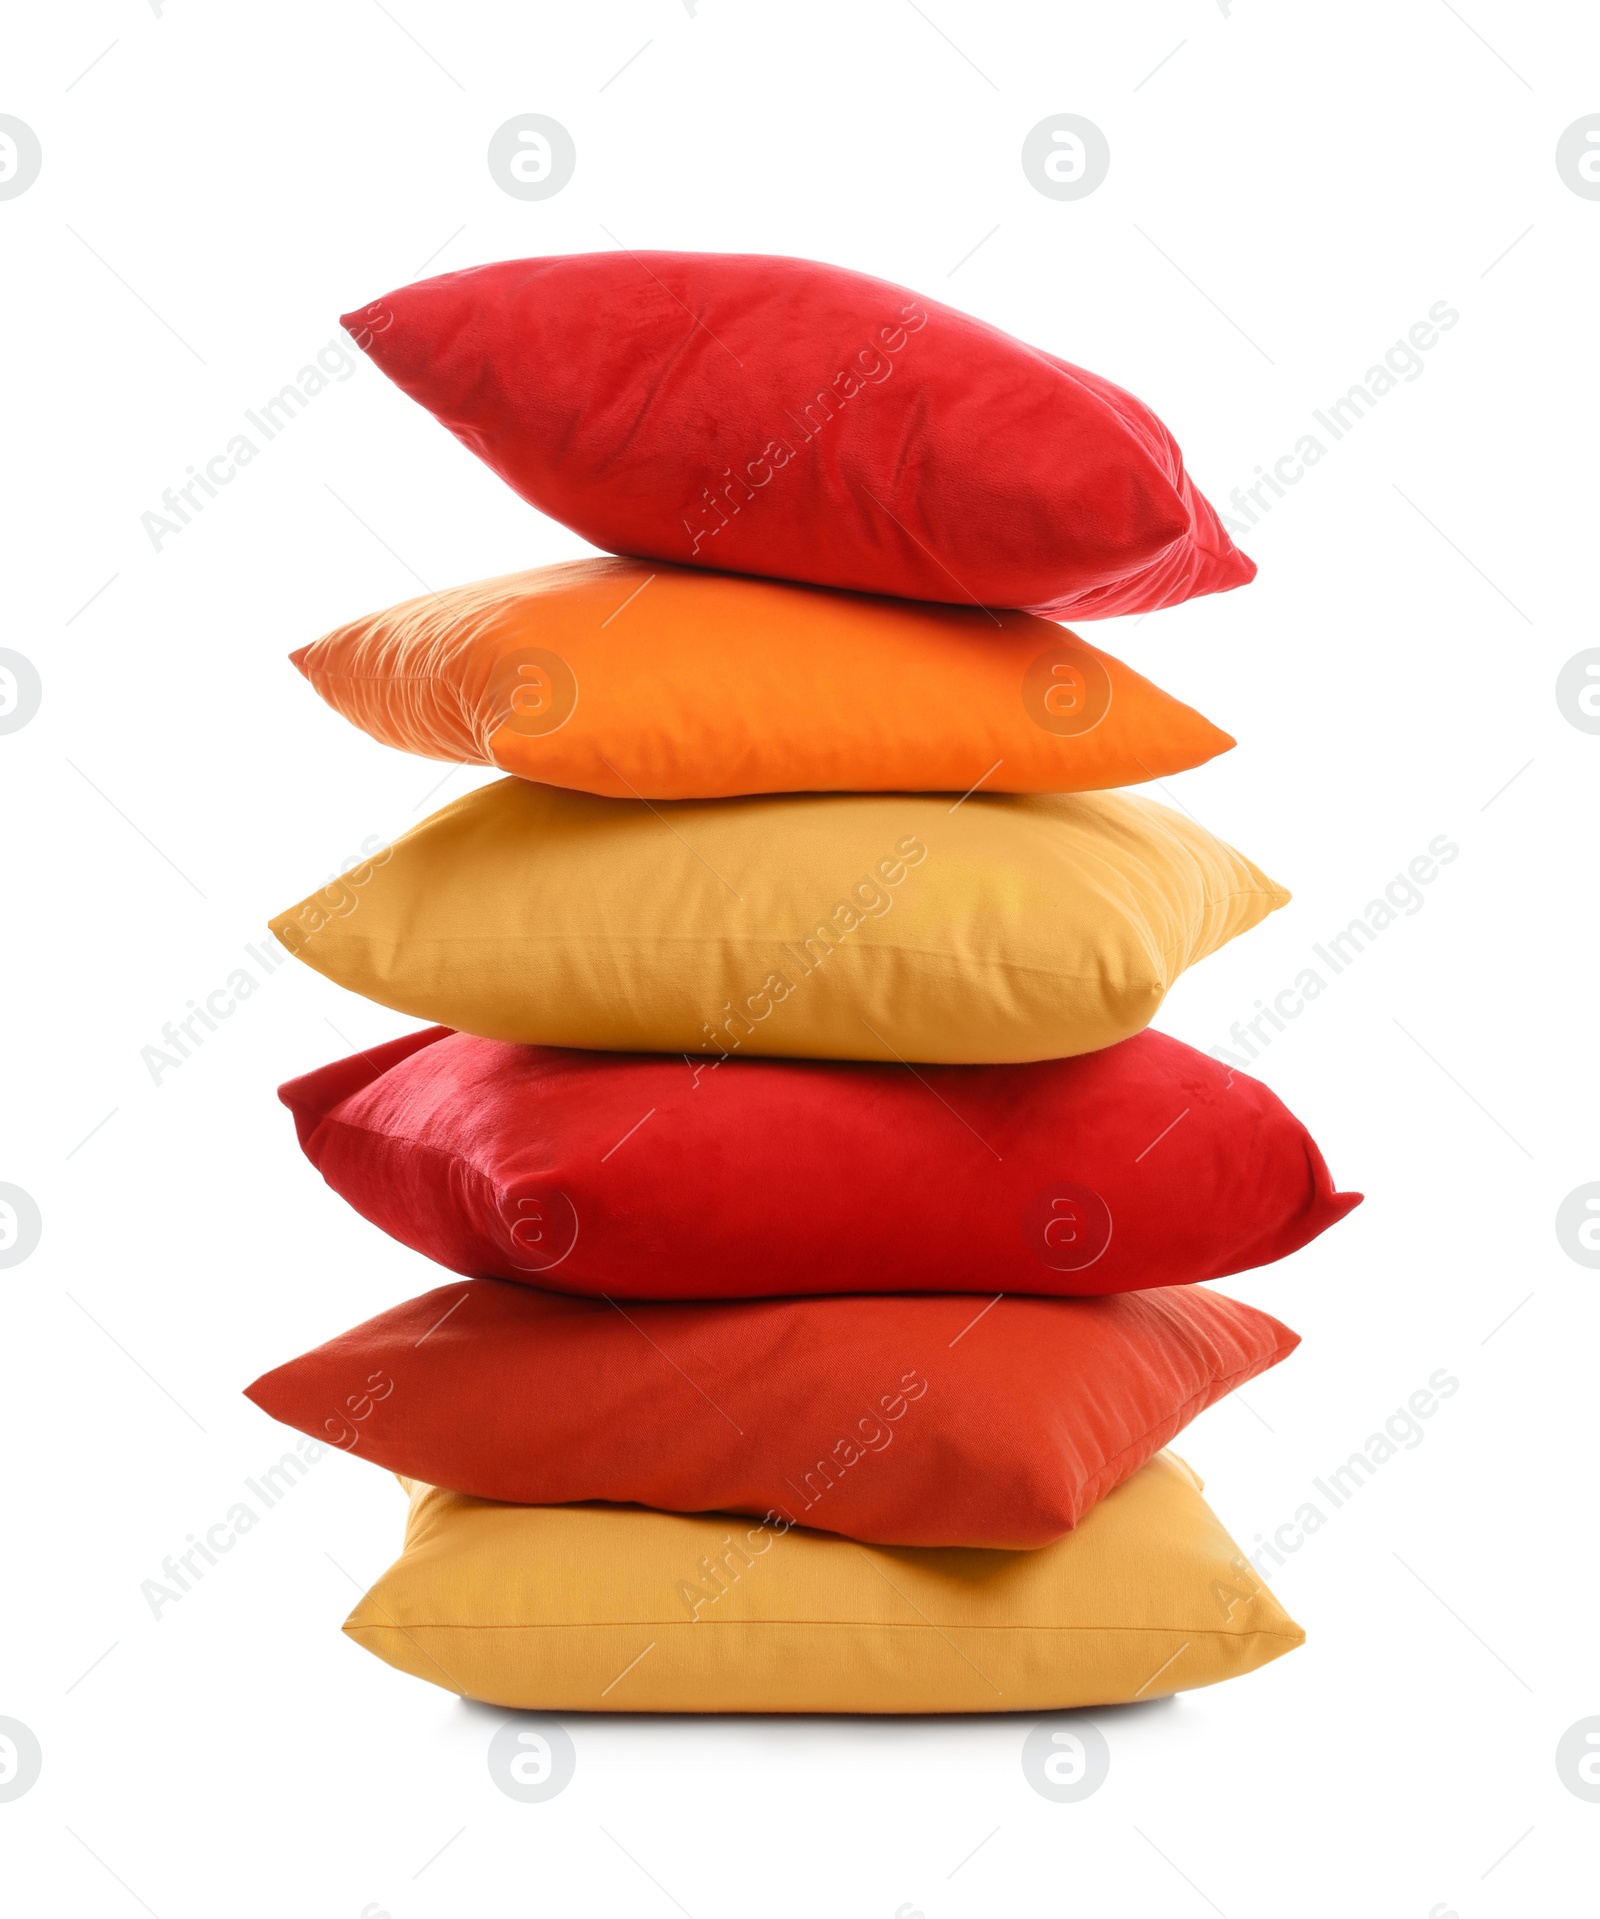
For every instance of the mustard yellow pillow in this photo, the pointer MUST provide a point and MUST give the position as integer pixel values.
(622, 1609)
(916, 926)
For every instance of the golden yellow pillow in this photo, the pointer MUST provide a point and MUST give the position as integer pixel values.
(835, 926)
(622, 1609)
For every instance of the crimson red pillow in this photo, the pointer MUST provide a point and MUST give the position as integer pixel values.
(922, 1420)
(765, 415)
(651, 1176)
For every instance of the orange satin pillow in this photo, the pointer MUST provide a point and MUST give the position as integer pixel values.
(637, 679)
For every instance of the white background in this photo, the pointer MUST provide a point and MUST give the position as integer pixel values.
(1288, 194)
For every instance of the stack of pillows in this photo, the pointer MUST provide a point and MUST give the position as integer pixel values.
(829, 1219)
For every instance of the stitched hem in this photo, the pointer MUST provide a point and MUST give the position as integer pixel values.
(1191, 1633)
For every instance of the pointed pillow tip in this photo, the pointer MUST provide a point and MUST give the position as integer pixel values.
(254, 1393)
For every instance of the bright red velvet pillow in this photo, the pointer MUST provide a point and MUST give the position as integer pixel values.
(651, 1176)
(922, 1420)
(776, 416)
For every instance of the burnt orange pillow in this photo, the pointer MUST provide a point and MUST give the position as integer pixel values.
(643, 680)
(917, 1420)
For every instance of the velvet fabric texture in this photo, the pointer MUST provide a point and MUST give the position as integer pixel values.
(781, 417)
(647, 1177)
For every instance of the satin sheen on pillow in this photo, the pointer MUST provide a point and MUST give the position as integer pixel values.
(644, 680)
(866, 1415)
(646, 1176)
(833, 926)
(608, 1609)
(775, 416)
